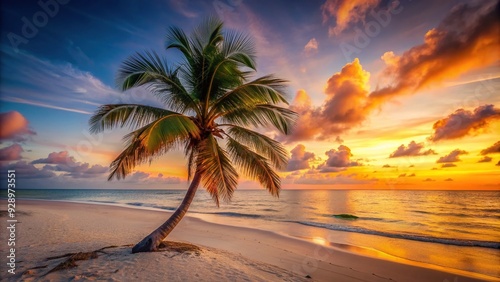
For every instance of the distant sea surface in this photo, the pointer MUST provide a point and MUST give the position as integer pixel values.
(456, 229)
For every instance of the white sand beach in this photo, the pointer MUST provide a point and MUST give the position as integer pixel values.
(227, 253)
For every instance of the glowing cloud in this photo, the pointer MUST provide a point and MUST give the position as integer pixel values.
(29, 171)
(340, 158)
(413, 149)
(493, 149)
(11, 153)
(311, 47)
(300, 158)
(349, 179)
(144, 177)
(345, 105)
(62, 161)
(62, 157)
(485, 159)
(14, 126)
(346, 13)
(463, 122)
(466, 39)
(452, 157)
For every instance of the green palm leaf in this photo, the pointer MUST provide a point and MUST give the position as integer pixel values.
(219, 176)
(281, 118)
(269, 148)
(254, 166)
(121, 115)
(150, 70)
(153, 140)
(263, 90)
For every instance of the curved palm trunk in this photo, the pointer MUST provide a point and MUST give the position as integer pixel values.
(150, 243)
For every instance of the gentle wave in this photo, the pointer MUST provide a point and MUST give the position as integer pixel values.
(472, 213)
(447, 241)
(235, 214)
(139, 204)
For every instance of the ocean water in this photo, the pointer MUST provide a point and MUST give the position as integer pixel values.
(455, 229)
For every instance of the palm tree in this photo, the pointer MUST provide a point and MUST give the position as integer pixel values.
(210, 101)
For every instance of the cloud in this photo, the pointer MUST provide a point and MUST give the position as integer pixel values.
(63, 162)
(180, 6)
(467, 39)
(29, 171)
(498, 164)
(412, 175)
(306, 127)
(448, 179)
(311, 47)
(345, 105)
(462, 123)
(493, 149)
(84, 170)
(317, 179)
(79, 170)
(60, 85)
(300, 158)
(448, 165)
(452, 157)
(11, 153)
(339, 158)
(168, 180)
(327, 169)
(346, 13)
(137, 176)
(148, 178)
(429, 180)
(386, 166)
(464, 41)
(62, 158)
(413, 149)
(346, 93)
(485, 159)
(402, 175)
(77, 54)
(14, 126)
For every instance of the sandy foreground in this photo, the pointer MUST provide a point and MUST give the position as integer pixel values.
(48, 229)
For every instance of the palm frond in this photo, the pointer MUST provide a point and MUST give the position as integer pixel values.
(177, 39)
(218, 174)
(152, 140)
(282, 119)
(263, 90)
(169, 129)
(150, 70)
(263, 145)
(121, 115)
(238, 47)
(134, 154)
(208, 34)
(254, 166)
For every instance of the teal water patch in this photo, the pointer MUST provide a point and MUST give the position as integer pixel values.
(345, 216)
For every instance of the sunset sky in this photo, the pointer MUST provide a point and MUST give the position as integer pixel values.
(390, 95)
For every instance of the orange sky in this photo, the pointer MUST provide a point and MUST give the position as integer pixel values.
(390, 96)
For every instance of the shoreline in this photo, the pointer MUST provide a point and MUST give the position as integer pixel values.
(300, 256)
